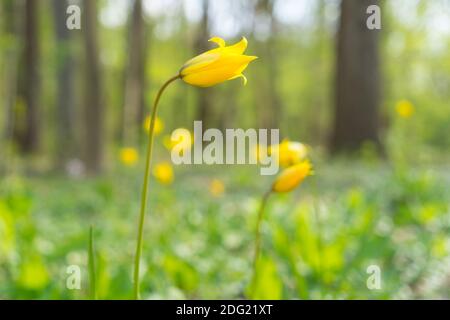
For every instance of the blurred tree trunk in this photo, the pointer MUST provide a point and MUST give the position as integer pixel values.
(134, 104)
(229, 106)
(27, 131)
(9, 84)
(66, 143)
(93, 91)
(205, 96)
(357, 79)
(268, 95)
(181, 115)
(317, 130)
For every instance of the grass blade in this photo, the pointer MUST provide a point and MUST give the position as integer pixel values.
(91, 266)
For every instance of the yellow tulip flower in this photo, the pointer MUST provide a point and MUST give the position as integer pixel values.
(404, 108)
(285, 182)
(291, 177)
(129, 156)
(205, 70)
(217, 188)
(163, 172)
(159, 125)
(184, 138)
(289, 152)
(217, 65)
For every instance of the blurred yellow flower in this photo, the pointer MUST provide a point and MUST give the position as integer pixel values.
(163, 172)
(289, 152)
(404, 108)
(292, 176)
(217, 65)
(33, 274)
(183, 138)
(129, 156)
(159, 125)
(216, 187)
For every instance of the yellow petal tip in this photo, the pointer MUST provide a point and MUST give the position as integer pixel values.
(244, 41)
(219, 41)
(244, 78)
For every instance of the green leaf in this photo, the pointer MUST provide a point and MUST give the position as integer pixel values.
(267, 285)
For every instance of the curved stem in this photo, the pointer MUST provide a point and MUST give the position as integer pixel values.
(258, 239)
(137, 258)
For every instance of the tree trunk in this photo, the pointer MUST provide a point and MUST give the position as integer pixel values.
(27, 132)
(134, 104)
(93, 91)
(66, 143)
(357, 95)
(268, 94)
(204, 95)
(12, 28)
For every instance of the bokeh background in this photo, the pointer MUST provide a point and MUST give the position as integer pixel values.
(373, 106)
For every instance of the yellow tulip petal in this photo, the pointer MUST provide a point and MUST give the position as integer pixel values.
(238, 48)
(199, 62)
(211, 77)
(240, 62)
(220, 42)
(292, 177)
(289, 152)
(244, 66)
(217, 61)
(240, 76)
(229, 67)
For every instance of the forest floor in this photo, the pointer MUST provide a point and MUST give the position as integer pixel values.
(318, 241)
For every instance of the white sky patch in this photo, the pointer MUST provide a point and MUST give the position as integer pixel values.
(159, 8)
(192, 10)
(294, 12)
(435, 20)
(225, 20)
(438, 27)
(231, 18)
(404, 10)
(114, 13)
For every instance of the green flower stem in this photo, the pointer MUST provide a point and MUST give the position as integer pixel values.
(91, 263)
(137, 258)
(257, 251)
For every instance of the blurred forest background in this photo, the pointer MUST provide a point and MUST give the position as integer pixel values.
(373, 105)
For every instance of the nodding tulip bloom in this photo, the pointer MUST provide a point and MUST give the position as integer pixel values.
(289, 152)
(292, 176)
(217, 65)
